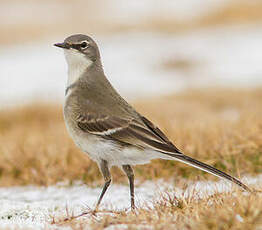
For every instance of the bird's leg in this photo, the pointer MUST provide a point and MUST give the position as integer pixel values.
(107, 177)
(130, 174)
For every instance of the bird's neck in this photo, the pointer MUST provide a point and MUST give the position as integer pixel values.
(76, 68)
(79, 69)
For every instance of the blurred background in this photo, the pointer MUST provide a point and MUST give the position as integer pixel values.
(193, 67)
(194, 55)
(148, 47)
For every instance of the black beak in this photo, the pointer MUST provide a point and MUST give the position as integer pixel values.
(62, 45)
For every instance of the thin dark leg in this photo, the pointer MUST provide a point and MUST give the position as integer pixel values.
(107, 177)
(130, 174)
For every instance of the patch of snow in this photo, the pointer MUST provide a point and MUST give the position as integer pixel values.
(32, 207)
(125, 226)
(228, 57)
(239, 218)
(117, 227)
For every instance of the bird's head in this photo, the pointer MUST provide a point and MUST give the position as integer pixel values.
(80, 50)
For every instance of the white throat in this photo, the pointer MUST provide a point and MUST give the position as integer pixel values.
(77, 64)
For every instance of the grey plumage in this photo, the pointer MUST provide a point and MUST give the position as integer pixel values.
(105, 126)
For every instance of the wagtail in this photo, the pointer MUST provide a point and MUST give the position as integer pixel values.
(107, 128)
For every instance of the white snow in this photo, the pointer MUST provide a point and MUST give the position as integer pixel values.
(239, 218)
(32, 207)
(228, 56)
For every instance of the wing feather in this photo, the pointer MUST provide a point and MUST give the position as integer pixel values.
(141, 133)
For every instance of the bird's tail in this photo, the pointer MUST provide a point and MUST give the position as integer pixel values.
(205, 167)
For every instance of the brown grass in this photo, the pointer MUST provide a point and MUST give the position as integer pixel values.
(240, 11)
(94, 21)
(233, 13)
(179, 64)
(221, 211)
(220, 127)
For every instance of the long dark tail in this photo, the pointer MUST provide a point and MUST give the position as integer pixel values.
(202, 166)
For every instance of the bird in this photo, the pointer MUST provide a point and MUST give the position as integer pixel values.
(106, 127)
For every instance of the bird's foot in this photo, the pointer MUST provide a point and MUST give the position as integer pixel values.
(134, 209)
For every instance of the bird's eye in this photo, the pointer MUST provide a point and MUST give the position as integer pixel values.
(83, 45)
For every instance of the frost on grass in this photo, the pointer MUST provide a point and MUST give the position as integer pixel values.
(33, 207)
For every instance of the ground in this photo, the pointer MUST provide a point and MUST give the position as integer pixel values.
(199, 65)
(221, 127)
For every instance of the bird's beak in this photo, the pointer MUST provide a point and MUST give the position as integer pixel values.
(62, 45)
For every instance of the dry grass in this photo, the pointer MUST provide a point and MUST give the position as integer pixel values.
(233, 13)
(220, 127)
(179, 64)
(240, 11)
(221, 211)
(94, 19)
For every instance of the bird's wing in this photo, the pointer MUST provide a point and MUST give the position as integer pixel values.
(143, 133)
(130, 131)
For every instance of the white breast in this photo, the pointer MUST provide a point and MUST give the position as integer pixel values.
(77, 64)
